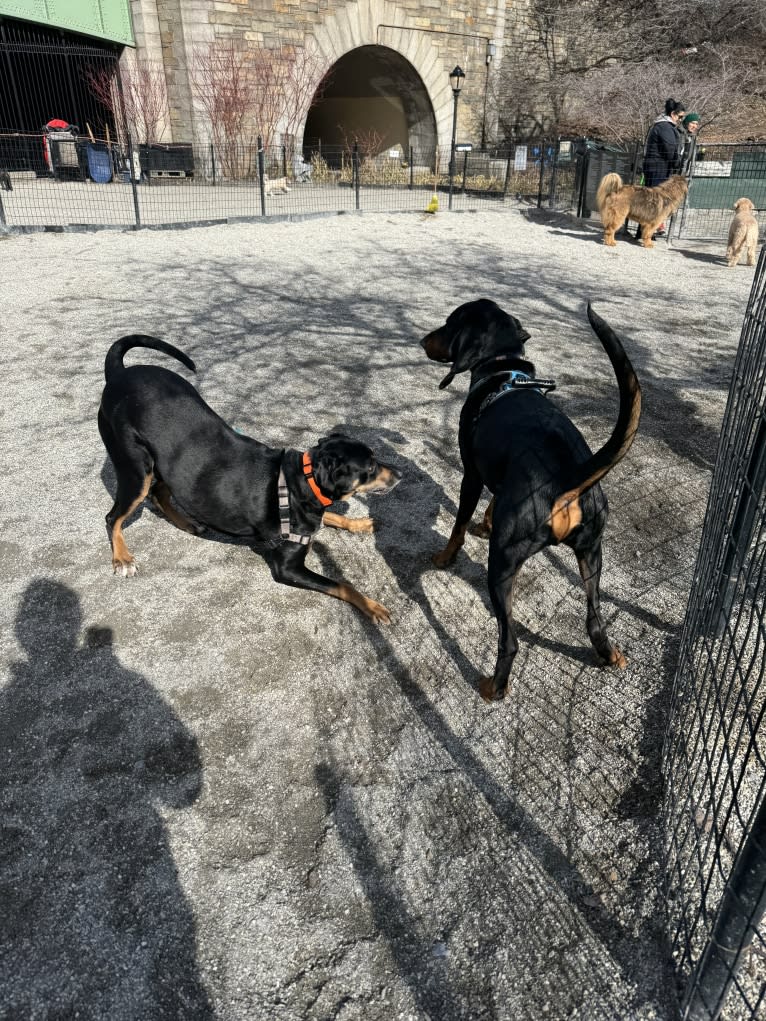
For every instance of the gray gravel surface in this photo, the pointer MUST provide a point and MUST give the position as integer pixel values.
(224, 798)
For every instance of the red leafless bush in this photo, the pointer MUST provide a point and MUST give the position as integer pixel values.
(250, 91)
(142, 109)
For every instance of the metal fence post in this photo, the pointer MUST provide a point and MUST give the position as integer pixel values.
(554, 173)
(284, 161)
(507, 175)
(356, 174)
(542, 176)
(133, 182)
(3, 222)
(584, 169)
(131, 167)
(212, 161)
(412, 169)
(261, 175)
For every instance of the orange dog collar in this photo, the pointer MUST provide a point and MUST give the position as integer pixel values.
(308, 472)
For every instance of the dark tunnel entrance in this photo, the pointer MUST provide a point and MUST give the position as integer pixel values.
(376, 96)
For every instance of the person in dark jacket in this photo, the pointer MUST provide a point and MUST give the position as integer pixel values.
(664, 148)
(664, 145)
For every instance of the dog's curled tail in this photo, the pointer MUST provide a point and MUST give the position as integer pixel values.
(609, 184)
(566, 513)
(113, 362)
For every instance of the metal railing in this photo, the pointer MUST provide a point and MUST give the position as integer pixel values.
(714, 760)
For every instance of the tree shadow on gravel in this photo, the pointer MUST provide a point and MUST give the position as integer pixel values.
(94, 918)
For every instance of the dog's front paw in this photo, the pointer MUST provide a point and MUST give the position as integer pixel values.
(488, 691)
(126, 568)
(616, 658)
(376, 612)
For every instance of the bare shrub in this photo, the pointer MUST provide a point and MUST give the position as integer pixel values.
(249, 91)
(143, 108)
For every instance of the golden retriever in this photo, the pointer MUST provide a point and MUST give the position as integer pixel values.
(743, 234)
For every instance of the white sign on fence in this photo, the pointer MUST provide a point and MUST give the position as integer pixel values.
(520, 158)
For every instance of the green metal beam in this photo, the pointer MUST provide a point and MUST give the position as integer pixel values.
(104, 19)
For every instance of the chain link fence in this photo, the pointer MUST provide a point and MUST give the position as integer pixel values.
(715, 750)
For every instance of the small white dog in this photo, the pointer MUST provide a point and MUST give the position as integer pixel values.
(743, 233)
(272, 184)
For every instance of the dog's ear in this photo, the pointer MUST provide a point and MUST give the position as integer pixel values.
(521, 333)
(463, 354)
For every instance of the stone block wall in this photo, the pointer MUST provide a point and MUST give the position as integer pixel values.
(433, 35)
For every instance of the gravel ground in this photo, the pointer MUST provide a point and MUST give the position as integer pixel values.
(224, 798)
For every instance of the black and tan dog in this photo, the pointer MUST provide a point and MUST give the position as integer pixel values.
(164, 440)
(543, 477)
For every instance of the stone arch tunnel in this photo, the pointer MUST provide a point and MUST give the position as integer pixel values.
(373, 93)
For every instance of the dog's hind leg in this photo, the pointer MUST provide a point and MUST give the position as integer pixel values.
(484, 530)
(133, 467)
(503, 565)
(589, 562)
(160, 497)
(132, 490)
(470, 491)
(751, 245)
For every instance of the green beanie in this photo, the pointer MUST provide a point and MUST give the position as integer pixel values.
(690, 117)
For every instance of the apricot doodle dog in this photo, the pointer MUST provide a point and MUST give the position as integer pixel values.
(648, 206)
(743, 233)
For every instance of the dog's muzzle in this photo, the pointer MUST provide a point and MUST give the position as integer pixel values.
(436, 347)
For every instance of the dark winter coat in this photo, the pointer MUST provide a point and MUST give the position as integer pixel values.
(662, 152)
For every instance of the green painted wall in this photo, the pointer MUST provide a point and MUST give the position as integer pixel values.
(105, 19)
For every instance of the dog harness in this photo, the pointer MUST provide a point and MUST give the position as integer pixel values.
(284, 501)
(518, 381)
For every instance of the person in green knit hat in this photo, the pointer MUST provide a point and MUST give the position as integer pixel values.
(691, 151)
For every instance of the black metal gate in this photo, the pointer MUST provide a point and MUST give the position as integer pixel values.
(715, 750)
(44, 75)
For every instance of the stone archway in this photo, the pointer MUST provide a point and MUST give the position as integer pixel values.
(373, 91)
(421, 68)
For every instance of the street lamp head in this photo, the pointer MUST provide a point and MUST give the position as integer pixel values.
(491, 51)
(456, 79)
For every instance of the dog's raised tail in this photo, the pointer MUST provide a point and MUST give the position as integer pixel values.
(114, 364)
(609, 184)
(566, 513)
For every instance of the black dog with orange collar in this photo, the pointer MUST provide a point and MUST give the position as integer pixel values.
(165, 441)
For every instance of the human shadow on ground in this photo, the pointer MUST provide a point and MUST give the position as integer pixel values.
(94, 921)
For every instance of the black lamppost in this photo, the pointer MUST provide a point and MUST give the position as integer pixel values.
(491, 50)
(456, 81)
